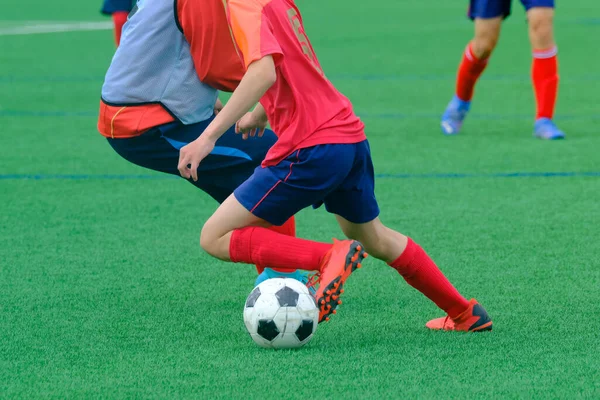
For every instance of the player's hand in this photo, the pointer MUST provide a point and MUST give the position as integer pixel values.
(192, 154)
(249, 126)
(218, 106)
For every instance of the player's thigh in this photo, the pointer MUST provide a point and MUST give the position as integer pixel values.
(354, 198)
(305, 178)
(487, 33)
(231, 162)
(219, 174)
(147, 150)
(540, 17)
(252, 149)
(229, 150)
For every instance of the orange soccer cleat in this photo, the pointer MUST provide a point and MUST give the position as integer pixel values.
(473, 319)
(340, 261)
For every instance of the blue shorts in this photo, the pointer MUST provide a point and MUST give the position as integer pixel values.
(501, 8)
(338, 175)
(112, 6)
(231, 163)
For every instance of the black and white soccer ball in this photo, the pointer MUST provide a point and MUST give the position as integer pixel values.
(280, 313)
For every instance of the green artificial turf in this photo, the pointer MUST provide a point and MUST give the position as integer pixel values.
(104, 292)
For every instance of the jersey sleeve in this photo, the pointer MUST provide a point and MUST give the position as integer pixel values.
(252, 31)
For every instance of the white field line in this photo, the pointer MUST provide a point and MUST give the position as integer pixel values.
(29, 28)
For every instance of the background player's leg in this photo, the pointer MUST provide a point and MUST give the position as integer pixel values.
(474, 61)
(119, 19)
(488, 16)
(219, 175)
(119, 10)
(544, 70)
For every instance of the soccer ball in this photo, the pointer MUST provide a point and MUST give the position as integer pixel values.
(280, 313)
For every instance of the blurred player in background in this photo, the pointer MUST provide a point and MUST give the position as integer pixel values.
(488, 16)
(322, 156)
(119, 10)
(156, 98)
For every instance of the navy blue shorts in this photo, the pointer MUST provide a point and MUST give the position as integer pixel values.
(338, 175)
(501, 8)
(232, 161)
(112, 6)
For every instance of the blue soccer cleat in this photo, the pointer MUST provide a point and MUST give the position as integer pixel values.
(303, 277)
(544, 128)
(455, 114)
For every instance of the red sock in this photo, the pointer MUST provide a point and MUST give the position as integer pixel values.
(544, 73)
(468, 72)
(289, 229)
(119, 19)
(262, 246)
(420, 272)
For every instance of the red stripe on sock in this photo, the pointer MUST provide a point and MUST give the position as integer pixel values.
(261, 246)
(420, 272)
(544, 74)
(469, 71)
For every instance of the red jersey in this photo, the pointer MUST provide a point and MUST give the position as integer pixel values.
(215, 59)
(204, 25)
(303, 107)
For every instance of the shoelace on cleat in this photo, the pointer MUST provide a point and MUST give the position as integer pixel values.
(313, 281)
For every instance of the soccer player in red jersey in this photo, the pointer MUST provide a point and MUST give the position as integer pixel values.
(321, 157)
(488, 16)
(160, 93)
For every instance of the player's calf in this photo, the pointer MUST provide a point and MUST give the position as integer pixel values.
(413, 264)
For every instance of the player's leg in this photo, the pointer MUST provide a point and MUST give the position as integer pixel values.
(226, 178)
(236, 231)
(233, 161)
(544, 70)
(488, 16)
(118, 10)
(356, 210)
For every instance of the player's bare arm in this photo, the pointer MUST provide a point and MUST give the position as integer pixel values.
(259, 77)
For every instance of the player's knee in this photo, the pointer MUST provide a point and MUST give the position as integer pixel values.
(372, 241)
(208, 240)
(487, 33)
(541, 27)
(483, 45)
